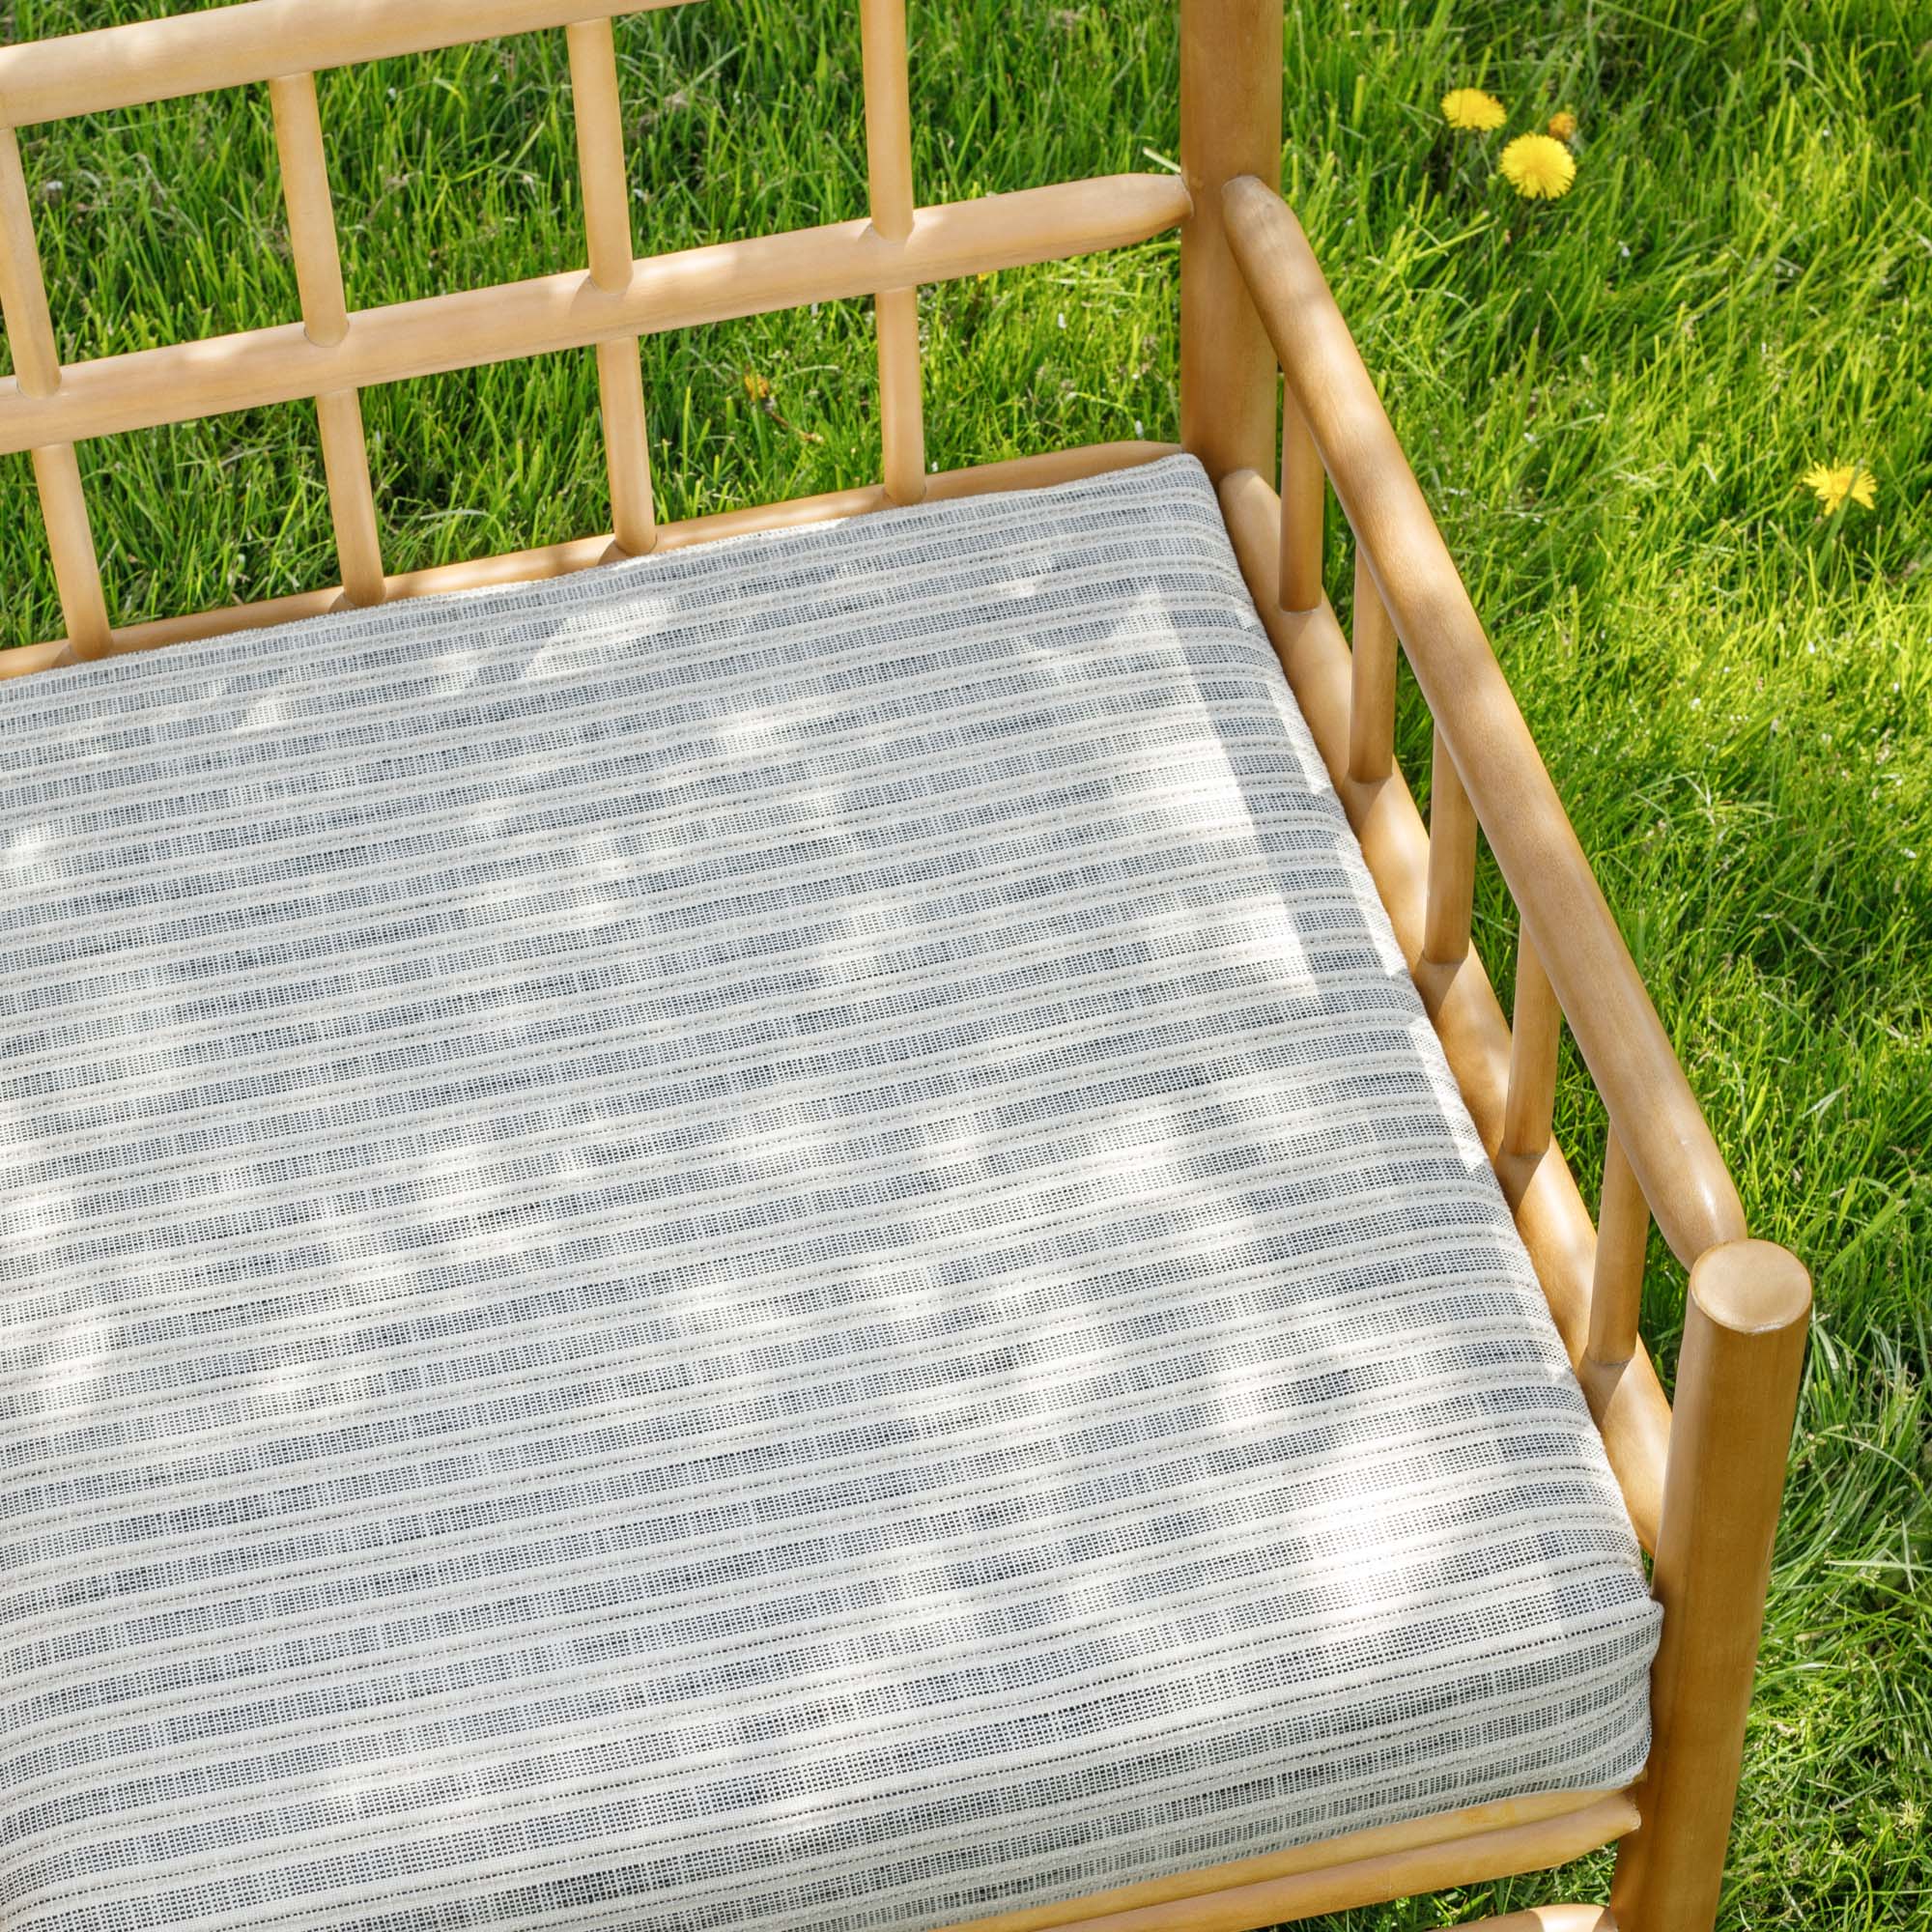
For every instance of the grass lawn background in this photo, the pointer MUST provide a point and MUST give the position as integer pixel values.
(1609, 402)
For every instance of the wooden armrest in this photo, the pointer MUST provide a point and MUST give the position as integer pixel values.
(1651, 1106)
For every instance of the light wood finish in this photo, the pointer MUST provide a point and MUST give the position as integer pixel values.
(1368, 1880)
(881, 27)
(1372, 695)
(1610, 1017)
(23, 294)
(1230, 125)
(607, 224)
(233, 46)
(1745, 1324)
(30, 335)
(318, 263)
(1629, 1404)
(71, 546)
(1020, 472)
(1452, 859)
(1623, 1235)
(352, 502)
(311, 209)
(1351, 1848)
(428, 337)
(1304, 491)
(1536, 1029)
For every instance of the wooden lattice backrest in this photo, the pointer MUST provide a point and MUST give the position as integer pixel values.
(333, 353)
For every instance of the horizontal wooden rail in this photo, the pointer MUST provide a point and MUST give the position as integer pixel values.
(1611, 1019)
(232, 47)
(1314, 1879)
(1625, 1400)
(560, 559)
(439, 334)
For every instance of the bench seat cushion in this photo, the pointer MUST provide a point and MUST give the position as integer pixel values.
(767, 1239)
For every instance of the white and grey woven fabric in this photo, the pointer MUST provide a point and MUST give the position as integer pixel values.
(766, 1240)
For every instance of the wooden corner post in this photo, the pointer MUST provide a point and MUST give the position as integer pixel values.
(1736, 1393)
(1230, 125)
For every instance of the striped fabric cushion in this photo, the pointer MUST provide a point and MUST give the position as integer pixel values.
(763, 1240)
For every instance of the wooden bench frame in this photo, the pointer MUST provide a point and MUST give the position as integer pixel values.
(1702, 1486)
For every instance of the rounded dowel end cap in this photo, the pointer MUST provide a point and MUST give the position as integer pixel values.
(1751, 1288)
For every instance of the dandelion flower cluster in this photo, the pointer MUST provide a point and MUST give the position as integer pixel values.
(1538, 167)
(1833, 486)
(1472, 110)
(1563, 125)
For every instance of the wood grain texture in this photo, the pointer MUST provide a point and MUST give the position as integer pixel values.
(1610, 1015)
(1305, 494)
(1452, 859)
(1623, 1234)
(1372, 694)
(882, 25)
(607, 224)
(1536, 1030)
(1230, 125)
(1745, 1324)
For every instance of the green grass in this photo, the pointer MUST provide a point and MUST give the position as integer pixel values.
(1610, 401)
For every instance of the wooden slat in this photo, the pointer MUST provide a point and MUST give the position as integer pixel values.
(236, 46)
(23, 294)
(1351, 1848)
(607, 222)
(1535, 1035)
(71, 546)
(1452, 859)
(1610, 1015)
(839, 261)
(895, 312)
(1629, 1404)
(1371, 689)
(37, 365)
(317, 262)
(1021, 473)
(1372, 1880)
(1623, 1234)
(1304, 491)
(351, 499)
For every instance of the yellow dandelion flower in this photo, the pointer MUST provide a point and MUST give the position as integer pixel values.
(1538, 168)
(1831, 486)
(1563, 124)
(1471, 109)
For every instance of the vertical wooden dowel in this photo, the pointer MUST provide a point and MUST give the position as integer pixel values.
(318, 263)
(1231, 65)
(1452, 862)
(1372, 688)
(607, 222)
(1745, 1324)
(36, 369)
(1623, 1235)
(881, 27)
(1304, 490)
(71, 546)
(1529, 1101)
